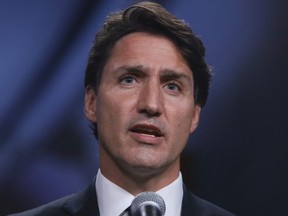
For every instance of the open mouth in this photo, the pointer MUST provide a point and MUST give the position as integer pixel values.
(148, 130)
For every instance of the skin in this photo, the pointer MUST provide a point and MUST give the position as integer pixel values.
(145, 112)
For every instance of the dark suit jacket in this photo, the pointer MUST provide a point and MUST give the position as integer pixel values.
(85, 204)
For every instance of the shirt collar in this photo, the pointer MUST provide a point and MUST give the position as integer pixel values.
(109, 194)
(173, 195)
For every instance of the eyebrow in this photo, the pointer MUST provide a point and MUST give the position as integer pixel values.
(138, 70)
(165, 74)
(172, 74)
(133, 68)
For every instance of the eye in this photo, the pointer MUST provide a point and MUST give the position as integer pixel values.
(173, 86)
(127, 79)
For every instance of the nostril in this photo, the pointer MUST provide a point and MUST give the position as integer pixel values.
(150, 111)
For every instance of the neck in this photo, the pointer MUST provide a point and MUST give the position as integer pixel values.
(138, 180)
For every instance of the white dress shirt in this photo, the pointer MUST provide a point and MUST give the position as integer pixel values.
(113, 200)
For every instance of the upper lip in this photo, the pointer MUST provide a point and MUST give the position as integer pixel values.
(147, 129)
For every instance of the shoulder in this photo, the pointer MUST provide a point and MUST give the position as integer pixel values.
(52, 208)
(82, 203)
(193, 205)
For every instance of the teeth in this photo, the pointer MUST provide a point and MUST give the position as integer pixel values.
(147, 132)
(149, 135)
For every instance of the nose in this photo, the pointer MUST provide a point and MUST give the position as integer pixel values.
(150, 101)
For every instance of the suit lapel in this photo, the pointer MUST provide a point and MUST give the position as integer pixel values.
(187, 203)
(192, 205)
(83, 203)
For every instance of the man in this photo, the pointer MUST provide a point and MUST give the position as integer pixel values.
(146, 82)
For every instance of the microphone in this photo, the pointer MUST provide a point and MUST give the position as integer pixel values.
(147, 204)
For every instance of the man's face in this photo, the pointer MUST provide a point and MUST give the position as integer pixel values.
(144, 107)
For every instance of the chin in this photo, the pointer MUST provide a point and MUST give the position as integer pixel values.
(148, 169)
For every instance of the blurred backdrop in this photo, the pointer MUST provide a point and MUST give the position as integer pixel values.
(237, 158)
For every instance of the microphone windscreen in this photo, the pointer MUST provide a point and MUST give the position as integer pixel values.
(148, 201)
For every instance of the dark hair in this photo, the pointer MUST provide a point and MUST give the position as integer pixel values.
(152, 18)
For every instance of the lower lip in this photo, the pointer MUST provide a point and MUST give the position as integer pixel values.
(146, 139)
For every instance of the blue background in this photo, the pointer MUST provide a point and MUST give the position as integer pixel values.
(238, 156)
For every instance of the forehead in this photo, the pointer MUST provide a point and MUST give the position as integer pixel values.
(149, 50)
(146, 40)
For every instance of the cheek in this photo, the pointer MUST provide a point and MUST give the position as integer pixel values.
(111, 111)
(182, 121)
(181, 111)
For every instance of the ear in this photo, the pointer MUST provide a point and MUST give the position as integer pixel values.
(196, 117)
(90, 104)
